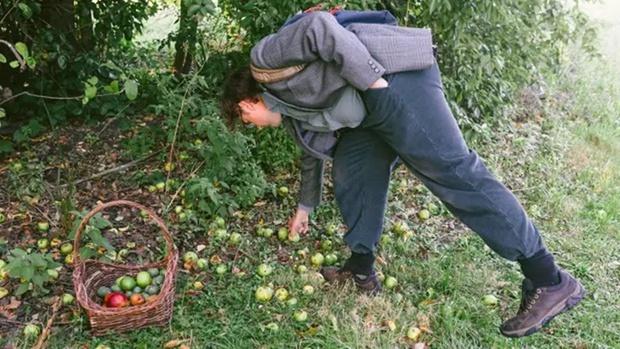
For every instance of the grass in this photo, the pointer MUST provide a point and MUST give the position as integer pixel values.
(562, 161)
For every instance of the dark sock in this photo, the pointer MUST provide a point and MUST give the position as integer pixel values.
(360, 263)
(541, 269)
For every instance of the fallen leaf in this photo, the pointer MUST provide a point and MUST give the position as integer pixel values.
(174, 343)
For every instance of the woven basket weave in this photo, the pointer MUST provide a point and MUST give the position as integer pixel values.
(89, 275)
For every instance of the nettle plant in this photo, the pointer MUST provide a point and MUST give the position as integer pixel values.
(33, 270)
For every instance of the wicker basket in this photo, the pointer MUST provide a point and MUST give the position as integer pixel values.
(89, 275)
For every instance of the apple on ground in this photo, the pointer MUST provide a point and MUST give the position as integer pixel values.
(3, 292)
(199, 285)
(263, 294)
(190, 257)
(413, 333)
(283, 234)
(308, 289)
(42, 244)
(66, 248)
(424, 214)
(32, 330)
(317, 259)
(202, 263)
(291, 301)
(390, 282)
(234, 239)
(490, 300)
(264, 270)
(67, 299)
(272, 326)
(281, 294)
(220, 222)
(43, 226)
(221, 269)
(302, 269)
(300, 316)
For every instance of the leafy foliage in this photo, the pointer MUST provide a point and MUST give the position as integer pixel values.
(31, 270)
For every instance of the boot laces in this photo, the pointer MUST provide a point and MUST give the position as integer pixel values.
(529, 299)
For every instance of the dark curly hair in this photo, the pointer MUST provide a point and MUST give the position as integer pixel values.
(239, 85)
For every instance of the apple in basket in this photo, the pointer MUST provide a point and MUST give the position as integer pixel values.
(116, 300)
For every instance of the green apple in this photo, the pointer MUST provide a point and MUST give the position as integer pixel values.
(103, 291)
(178, 209)
(31, 330)
(300, 316)
(116, 288)
(198, 285)
(43, 243)
(264, 270)
(326, 245)
(272, 326)
(67, 299)
(490, 300)
(43, 226)
(267, 232)
(263, 294)
(143, 279)
(69, 259)
(52, 273)
(281, 294)
(127, 283)
(331, 229)
(283, 234)
(202, 263)
(151, 188)
(160, 186)
(190, 257)
(291, 302)
(152, 289)
(234, 239)
(220, 234)
(3, 292)
(2, 218)
(399, 228)
(302, 269)
(385, 240)
(390, 282)
(144, 214)
(424, 214)
(66, 248)
(317, 259)
(413, 333)
(283, 191)
(182, 217)
(221, 269)
(293, 237)
(220, 222)
(308, 289)
(331, 259)
(153, 271)
(168, 166)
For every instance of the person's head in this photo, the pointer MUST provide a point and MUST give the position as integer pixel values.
(241, 100)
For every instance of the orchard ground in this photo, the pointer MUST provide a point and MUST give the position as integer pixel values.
(559, 154)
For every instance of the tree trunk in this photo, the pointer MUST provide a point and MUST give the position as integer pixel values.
(185, 44)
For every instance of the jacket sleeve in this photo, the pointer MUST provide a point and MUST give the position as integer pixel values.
(311, 182)
(319, 36)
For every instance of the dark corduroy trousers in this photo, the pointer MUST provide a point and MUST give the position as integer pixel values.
(411, 120)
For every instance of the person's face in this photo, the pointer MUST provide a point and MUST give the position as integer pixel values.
(255, 112)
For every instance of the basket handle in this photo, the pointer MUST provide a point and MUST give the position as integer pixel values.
(78, 233)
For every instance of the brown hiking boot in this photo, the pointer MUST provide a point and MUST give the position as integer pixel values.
(366, 283)
(541, 305)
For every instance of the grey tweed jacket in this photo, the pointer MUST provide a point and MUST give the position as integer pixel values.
(335, 58)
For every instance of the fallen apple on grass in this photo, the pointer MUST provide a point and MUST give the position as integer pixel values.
(308, 289)
(264, 270)
(490, 300)
(66, 248)
(263, 294)
(283, 234)
(390, 282)
(413, 333)
(67, 299)
(32, 330)
(42, 244)
(281, 294)
(317, 259)
(300, 316)
(234, 239)
(43, 226)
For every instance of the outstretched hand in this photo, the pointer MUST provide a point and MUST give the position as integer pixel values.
(298, 224)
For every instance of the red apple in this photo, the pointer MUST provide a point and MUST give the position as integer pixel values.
(116, 300)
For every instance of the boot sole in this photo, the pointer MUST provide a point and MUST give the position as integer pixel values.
(570, 303)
